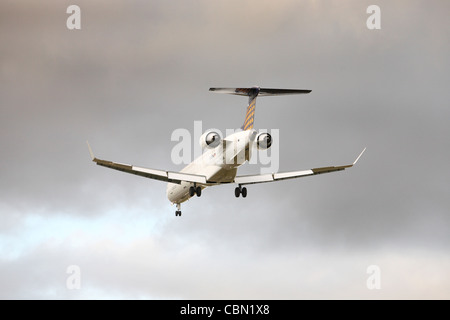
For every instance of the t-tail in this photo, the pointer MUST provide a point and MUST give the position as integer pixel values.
(252, 93)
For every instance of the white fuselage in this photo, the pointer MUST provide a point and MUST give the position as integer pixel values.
(218, 165)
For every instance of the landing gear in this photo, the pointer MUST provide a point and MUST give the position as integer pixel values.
(178, 212)
(239, 190)
(195, 190)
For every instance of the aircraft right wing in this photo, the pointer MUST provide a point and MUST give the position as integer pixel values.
(271, 177)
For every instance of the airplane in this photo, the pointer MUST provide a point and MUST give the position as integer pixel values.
(221, 158)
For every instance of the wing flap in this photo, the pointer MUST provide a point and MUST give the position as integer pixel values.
(186, 177)
(294, 174)
(254, 179)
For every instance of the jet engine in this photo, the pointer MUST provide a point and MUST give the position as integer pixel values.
(210, 139)
(263, 141)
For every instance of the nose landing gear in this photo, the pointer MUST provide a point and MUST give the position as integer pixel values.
(178, 212)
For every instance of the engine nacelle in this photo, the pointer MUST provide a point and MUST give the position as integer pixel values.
(210, 139)
(263, 141)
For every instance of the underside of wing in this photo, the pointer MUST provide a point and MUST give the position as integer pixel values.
(167, 176)
(271, 177)
(161, 175)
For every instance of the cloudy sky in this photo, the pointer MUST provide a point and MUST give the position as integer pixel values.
(138, 70)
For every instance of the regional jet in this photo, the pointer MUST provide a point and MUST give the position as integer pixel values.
(222, 157)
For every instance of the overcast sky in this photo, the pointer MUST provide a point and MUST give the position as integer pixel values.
(138, 70)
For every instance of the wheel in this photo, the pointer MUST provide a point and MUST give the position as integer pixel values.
(177, 213)
(191, 191)
(198, 191)
(237, 192)
(244, 192)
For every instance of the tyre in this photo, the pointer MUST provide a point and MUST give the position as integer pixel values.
(237, 192)
(244, 192)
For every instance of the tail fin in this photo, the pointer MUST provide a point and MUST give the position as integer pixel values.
(252, 93)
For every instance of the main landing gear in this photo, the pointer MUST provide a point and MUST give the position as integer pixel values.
(240, 190)
(195, 190)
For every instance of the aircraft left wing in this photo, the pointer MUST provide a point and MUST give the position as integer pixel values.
(271, 177)
(167, 176)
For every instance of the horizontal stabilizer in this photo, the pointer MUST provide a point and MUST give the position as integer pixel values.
(262, 91)
(252, 93)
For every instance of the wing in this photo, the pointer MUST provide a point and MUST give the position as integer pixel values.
(251, 179)
(167, 176)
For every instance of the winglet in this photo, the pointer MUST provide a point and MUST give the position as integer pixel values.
(359, 156)
(90, 150)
